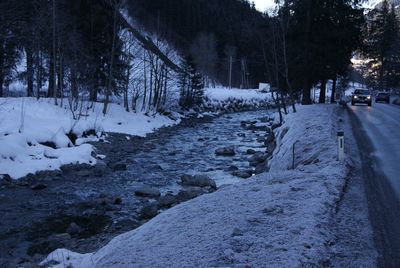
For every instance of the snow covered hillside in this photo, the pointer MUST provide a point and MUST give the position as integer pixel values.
(276, 219)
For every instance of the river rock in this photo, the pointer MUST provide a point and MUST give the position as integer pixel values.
(5, 179)
(271, 148)
(275, 126)
(258, 157)
(185, 195)
(149, 211)
(198, 180)
(147, 191)
(260, 168)
(118, 166)
(74, 229)
(232, 168)
(269, 138)
(167, 201)
(100, 168)
(250, 151)
(244, 174)
(226, 151)
(38, 186)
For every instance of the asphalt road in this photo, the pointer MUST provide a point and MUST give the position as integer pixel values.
(377, 131)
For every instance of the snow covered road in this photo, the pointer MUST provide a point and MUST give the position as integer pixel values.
(382, 124)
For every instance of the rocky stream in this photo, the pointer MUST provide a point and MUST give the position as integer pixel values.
(82, 207)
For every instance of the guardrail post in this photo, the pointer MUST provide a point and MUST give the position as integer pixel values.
(340, 136)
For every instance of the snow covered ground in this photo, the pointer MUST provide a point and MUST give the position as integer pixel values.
(276, 219)
(28, 127)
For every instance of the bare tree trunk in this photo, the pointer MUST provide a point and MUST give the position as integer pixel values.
(61, 79)
(145, 81)
(50, 90)
(74, 83)
(334, 82)
(54, 53)
(110, 75)
(29, 70)
(1, 70)
(322, 93)
(285, 62)
(39, 78)
(151, 87)
(306, 100)
(128, 73)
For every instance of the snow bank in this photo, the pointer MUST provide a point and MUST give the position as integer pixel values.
(222, 99)
(29, 126)
(277, 219)
(223, 94)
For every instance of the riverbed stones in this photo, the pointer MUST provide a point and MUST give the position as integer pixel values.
(257, 158)
(6, 180)
(118, 166)
(275, 126)
(226, 151)
(167, 201)
(188, 194)
(149, 211)
(198, 180)
(269, 138)
(244, 174)
(38, 186)
(271, 148)
(250, 151)
(260, 168)
(74, 229)
(147, 191)
(232, 168)
(100, 168)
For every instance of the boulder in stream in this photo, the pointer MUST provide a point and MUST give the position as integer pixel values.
(147, 191)
(226, 151)
(198, 180)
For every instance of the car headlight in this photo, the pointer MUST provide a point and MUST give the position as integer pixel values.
(355, 97)
(368, 97)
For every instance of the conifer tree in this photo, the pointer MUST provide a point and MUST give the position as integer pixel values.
(190, 84)
(381, 45)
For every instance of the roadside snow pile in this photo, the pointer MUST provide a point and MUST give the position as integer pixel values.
(277, 219)
(233, 100)
(37, 135)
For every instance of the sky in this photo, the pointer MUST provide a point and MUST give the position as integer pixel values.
(262, 5)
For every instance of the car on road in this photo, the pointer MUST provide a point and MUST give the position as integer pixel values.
(382, 97)
(361, 96)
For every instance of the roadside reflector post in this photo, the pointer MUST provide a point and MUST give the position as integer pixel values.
(340, 136)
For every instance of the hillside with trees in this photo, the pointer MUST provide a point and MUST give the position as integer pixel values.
(138, 49)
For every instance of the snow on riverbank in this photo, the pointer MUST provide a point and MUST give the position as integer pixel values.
(276, 219)
(30, 128)
(223, 99)
(223, 94)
